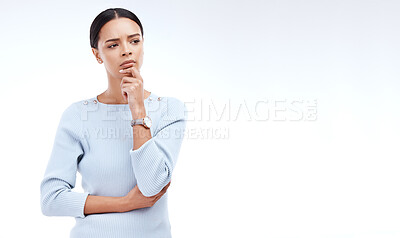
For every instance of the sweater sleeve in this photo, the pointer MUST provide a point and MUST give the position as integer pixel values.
(56, 195)
(154, 161)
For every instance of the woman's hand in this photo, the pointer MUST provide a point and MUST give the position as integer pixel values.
(135, 199)
(132, 87)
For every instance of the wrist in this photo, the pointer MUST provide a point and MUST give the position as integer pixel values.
(138, 112)
(136, 105)
(123, 204)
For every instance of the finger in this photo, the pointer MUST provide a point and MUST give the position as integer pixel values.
(166, 187)
(160, 194)
(122, 81)
(154, 196)
(127, 71)
(135, 72)
(127, 80)
(124, 94)
(158, 198)
(130, 87)
(149, 196)
(164, 190)
(127, 66)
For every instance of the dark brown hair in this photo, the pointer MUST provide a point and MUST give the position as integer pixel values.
(106, 16)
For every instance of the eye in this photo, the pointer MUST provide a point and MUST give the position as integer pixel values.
(113, 45)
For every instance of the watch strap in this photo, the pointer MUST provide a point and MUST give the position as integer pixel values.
(139, 121)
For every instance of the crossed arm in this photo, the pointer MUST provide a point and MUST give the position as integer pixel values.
(134, 199)
(153, 160)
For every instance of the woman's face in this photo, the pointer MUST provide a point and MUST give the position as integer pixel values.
(119, 40)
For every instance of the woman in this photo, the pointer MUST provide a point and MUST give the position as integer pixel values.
(124, 142)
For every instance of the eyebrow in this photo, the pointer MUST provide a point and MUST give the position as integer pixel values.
(116, 39)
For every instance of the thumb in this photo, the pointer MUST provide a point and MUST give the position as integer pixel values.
(125, 95)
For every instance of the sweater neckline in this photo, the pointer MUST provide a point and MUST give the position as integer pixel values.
(120, 104)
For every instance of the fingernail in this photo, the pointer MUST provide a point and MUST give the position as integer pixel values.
(121, 70)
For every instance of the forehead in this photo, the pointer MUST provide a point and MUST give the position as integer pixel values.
(117, 28)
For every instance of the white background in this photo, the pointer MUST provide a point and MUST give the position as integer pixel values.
(278, 173)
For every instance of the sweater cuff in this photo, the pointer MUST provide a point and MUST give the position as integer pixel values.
(74, 203)
(82, 203)
(149, 168)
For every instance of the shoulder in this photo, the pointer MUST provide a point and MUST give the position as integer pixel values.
(173, 107)
(70, 122)
(74, 109)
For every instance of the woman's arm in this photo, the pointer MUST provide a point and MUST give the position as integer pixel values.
(154, 161)
(133, 200)
(102, 204)
(57, 197)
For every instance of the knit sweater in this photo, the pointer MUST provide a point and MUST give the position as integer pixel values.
(96, 140)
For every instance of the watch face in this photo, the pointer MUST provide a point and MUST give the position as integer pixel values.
(147, 121)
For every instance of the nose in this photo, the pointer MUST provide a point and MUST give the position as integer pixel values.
(128, 52)
(126, 49)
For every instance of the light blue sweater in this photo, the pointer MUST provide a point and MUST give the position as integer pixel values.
(96, 139)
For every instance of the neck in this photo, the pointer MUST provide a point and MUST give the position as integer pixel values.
(113, 94)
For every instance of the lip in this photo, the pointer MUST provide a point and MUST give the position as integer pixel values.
(127, 62)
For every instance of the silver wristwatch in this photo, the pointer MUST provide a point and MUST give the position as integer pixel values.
(146, 122)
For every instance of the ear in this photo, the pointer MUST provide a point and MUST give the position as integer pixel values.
(97, 55)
